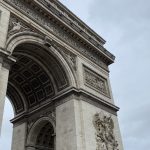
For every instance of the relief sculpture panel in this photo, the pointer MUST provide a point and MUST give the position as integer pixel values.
(105, 137)
(18, 26)
(96, 81)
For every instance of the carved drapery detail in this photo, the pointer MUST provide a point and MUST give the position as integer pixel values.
(96, 81)
(60, 31)
(105, 137)
(16, 26)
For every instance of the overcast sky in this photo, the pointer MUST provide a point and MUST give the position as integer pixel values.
(125, 25)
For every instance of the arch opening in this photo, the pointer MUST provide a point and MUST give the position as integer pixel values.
(35, 78)
(42, 135)
(39, 75)
(45, 138)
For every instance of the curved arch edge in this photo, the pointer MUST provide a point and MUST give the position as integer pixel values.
(34, 38)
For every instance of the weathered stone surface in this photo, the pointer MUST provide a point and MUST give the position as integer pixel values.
(91, 142)
(104, 125)
(5, 63)
(96, 81)
(4, 23)
(3, 87)
(19, 137)
(63, 32)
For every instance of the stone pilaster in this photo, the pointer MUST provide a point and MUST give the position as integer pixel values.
(68, 126)
(4, 23)
(5, 62)
(19, 137)
(83, 126)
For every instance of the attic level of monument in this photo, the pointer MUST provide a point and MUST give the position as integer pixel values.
(67, 16)
(58, 20)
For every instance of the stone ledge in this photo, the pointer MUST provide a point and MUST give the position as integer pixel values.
(66, 95)
(6, 59)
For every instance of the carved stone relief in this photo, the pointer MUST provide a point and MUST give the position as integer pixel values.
(16, 26)
(95, 81)
(105, 137)
(71, 58)
(60, 31)
(76, 25)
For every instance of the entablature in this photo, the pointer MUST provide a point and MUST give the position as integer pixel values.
(67, 95)
(59, 21)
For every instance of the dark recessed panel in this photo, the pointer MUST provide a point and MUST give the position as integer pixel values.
(31, 80)
(54, 67)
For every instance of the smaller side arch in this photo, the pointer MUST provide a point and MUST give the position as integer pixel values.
(42, 134)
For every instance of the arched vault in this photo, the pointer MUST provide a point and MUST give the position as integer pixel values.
(39, 74)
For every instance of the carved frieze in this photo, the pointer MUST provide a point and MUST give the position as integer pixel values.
(51, 24)
(96, 81)
(105, 136)
(72, 21)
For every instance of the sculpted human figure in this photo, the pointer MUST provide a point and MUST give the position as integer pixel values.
(104, 136)
(17, 27)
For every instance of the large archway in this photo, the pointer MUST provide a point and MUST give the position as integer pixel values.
(39, 75)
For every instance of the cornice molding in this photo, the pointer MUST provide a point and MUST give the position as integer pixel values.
(48, 10)
(76, 24)
(5, 59)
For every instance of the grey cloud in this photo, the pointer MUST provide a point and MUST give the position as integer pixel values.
(122, 20)
(125, 25)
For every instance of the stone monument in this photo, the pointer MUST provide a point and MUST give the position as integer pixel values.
(54, 70)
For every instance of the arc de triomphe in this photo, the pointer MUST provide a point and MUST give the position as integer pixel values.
(54, 70)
